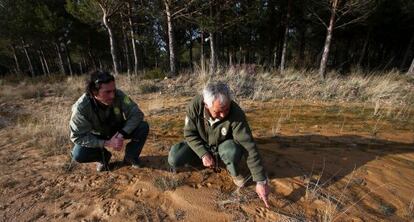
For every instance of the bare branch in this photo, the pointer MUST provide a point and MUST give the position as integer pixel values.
(319, 18)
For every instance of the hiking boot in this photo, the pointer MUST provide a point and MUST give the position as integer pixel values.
(238, 180)
(103, 165)
(135, 163)
(100, 167)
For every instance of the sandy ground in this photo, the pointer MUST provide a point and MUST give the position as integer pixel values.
(325, 162)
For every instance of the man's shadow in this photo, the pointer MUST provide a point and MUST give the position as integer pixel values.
(158, 162)
(330, 157)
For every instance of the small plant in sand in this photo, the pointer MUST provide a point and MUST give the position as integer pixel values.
(165, 183)
(180, 215)
(9, 183)
(386, 209)
(148, 87)
(409, 212)
(107, 189)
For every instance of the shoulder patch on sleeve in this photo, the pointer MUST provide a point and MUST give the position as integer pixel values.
(127, 101)
(224, 131)
(117, 111)
(186, 120)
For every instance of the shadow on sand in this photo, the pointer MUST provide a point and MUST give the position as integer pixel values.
(332, 157)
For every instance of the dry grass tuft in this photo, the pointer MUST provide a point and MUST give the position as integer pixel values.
(165, 183)
(49, 128)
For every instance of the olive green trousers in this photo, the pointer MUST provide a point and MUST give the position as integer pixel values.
(229, 152)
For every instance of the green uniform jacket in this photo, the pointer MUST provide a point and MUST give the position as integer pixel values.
(91, 124)
(201, 137)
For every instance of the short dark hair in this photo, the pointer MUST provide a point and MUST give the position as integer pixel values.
(95, 79)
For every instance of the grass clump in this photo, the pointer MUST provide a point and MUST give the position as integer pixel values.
(155, 73)
(164, 183)
(148, 87)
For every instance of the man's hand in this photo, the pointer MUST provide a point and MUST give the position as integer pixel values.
(208, 160)
(116, 142)
(262, 191)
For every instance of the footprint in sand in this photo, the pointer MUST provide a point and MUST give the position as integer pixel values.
(140, 192)
(111, 207)
(65, 205)
(266, 214)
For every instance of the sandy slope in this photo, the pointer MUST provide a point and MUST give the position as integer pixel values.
(323, 160)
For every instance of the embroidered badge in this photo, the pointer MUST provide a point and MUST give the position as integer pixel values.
(186, 120)
(127, 101)
(223, 131)
(117, 111)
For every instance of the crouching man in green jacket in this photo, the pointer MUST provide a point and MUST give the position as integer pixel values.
(215, 126)
(103, 117)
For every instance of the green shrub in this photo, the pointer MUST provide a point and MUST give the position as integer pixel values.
(148, 87)
(155, 73)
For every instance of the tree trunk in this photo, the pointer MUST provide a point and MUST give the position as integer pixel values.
(85, 65)
(41, 62)
(213, 56)
(325, 55)
(29, 61)
(68, 59)
(45, 61)
(16, 60)
(100, 64)
(111, 40)
(171, 40)
(61, 64)
(364, 49)
(202, 50)
(126, 46)
(191, 53)
(92, 59)
(132, 33)
(301, 57)
(212, 38)
(231, 57)
(407, 52)
(411, 70)
(285, 39)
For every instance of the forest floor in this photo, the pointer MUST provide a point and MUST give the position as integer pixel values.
(325, 161)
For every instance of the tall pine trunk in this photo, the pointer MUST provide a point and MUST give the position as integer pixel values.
(407, 52)
(202, 59)
(41, 62)
(126, 46)
(364, 49)
(132, 33)
(92, 58)
(411, 70)
(302, 45)
(16, 60)
(191, 53)
(45, 61)
(285, 39)
(111, 40)
(29, 60)
(61, 63)
(212, 37)
(171, 39)
(68, 59)
(326, 48)
(213, 56)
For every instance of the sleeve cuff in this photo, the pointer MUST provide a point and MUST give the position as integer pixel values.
(125, 134)
(262, 182)
(101, 143)
(202, 153)
(259, 177)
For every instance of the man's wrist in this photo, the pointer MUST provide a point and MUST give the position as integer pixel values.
(263, 182)
(123, 133)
